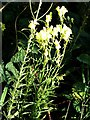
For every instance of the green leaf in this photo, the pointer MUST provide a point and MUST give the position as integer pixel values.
(10, 67)
(76, 105)
(84, 58)
(2, 76)
(2, 99)
(19, 56)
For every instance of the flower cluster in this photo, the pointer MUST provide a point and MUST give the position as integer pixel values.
(61, 12)
(66, 32)
(43, 37)
(33, 24)
(49, 35)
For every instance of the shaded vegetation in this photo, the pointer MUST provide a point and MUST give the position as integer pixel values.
(71, 95)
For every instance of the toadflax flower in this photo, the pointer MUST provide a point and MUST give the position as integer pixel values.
(49, 17)
(62, 11)
(57, 45)
(33, 24)
(43, 34)
(66, 31)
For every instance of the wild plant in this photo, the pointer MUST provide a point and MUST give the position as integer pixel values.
(33, 73)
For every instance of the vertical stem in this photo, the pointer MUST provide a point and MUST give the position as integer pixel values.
(82, 111)
(31, 9)
(65, 45)
(67, 110)
(38, 9)
(49, 115)
(18, 82)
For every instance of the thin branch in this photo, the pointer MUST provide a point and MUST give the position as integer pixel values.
(31, 9)
(4, 6)
(49, 115)
(46, 12)
(67, 110)
(16, 25)
(38, 9)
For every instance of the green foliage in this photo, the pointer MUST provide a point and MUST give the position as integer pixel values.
(80, 95)
(10, 67)
(19, 56)
(2, 75)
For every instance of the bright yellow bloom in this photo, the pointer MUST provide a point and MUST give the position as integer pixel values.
(33, 24)
(49, 17)
(57, 45)
(66, 31)
(43, 34)
(62, 11)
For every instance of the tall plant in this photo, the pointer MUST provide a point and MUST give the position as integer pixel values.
(33, 81)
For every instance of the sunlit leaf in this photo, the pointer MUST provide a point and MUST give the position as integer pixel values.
(19, 56)
(3, 96)
(12, 69)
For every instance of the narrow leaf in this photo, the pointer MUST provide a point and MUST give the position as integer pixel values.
(2, 99)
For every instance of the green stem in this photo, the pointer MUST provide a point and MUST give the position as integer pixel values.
(65, 45)
(38, 9)
(19, 80)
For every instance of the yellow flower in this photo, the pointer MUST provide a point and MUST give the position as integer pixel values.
(33, 24)
(59, 27)
(57, 45)
(43, 34)
(49, 17)
(66, 31)
(55, 32)
(62, 11)
(50, 29)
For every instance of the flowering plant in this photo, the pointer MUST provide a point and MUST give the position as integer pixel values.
(37, 76)
(48, 36)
